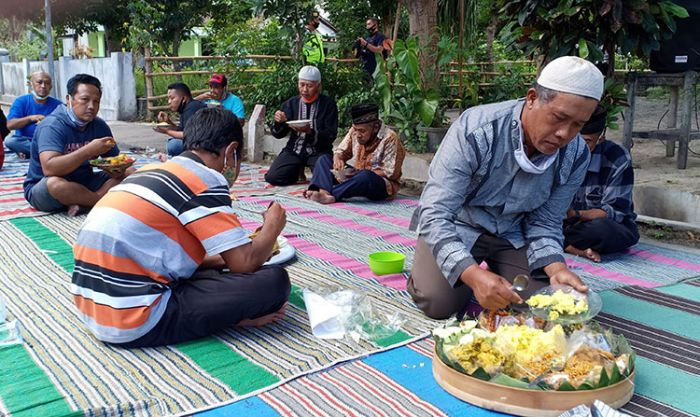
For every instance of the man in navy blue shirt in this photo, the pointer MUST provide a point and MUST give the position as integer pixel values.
(179, 100)
(27, 111)
(372, 44)
(60, 176)
(601, 217)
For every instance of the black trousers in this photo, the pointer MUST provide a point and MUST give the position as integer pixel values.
(285, 169)
(439, 300)
(364, 183)
(212, 300)
(603, 235)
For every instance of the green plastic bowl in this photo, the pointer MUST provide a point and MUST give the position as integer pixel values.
(382, 263)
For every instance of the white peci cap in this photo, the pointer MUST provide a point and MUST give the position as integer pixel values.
(309, 73)
(571, 74)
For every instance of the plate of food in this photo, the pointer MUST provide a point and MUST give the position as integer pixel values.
(113, 164)
(285, 252)
(299, 123)
(282, 251)
(161, 125)
(564, 305)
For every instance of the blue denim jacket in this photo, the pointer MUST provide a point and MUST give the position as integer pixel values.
(476, 186)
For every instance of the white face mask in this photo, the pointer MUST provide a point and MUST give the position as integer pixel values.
(231, 173)
(526, 164)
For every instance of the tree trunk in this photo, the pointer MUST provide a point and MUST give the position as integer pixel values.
(610, 49)
(423, 23)
(491, 34)
(110, 43)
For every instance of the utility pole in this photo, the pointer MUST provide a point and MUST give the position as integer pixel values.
(49, 44)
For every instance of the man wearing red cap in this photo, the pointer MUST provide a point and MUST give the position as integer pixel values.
(219, 96)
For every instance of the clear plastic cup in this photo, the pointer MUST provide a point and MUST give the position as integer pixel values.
(3, 311)
(10, 333)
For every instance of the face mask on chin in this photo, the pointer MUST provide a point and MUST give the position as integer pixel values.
(38, 97)
(73, 118)
(526, 164)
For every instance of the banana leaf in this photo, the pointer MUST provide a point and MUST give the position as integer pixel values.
(509, 381)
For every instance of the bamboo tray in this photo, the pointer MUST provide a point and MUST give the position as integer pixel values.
(525, 402)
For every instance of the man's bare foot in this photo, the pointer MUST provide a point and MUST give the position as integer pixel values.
(321, 196)
(22, 155)
(162, 157)
(73, 210)
(589, 253)
(261, 321)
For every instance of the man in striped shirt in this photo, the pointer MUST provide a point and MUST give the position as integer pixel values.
(601, 217)
(150, 255)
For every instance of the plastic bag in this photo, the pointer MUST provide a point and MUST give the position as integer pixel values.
(333, 314)
(598, 409)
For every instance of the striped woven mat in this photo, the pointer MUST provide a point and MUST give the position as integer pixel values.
(61, 369)
(661, 325)
(324, 231)
(12, 176)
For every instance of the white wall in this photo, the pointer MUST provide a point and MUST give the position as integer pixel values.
(116, 74)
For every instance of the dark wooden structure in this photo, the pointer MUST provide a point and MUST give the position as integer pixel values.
(671, 134)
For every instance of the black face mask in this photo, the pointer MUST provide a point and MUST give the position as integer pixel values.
(372, 30)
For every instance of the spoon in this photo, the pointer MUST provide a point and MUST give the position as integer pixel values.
(521, 282)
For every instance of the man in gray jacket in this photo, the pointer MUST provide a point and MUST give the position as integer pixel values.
(498, 190)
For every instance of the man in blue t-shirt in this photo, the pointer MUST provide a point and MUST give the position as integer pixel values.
(27, 111)
(218, 96)
(60, 176)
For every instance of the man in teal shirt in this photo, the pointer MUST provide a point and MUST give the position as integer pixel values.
(218, 96)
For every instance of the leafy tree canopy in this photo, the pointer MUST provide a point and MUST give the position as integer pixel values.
(588, 28)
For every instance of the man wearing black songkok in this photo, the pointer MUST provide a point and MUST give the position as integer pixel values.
(378, 154)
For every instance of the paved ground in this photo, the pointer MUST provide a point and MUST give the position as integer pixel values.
(137, 135)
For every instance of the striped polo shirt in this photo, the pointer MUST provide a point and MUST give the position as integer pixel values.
(150, 231)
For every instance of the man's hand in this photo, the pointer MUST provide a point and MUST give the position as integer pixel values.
(280, 117)
(161, 129)
(560, 274)
(204, 96)
(491, 290)
(99, 146)
(338, 163)
(275, 217)
(36, 118)
(570, 213)
(164, 117)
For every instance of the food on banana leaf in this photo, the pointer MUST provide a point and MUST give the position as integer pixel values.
(545, 359)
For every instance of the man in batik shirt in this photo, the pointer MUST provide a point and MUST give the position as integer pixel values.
(378, 154)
